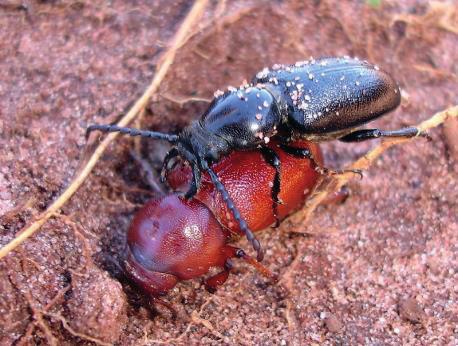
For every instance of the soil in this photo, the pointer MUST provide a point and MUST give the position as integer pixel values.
(381, 268)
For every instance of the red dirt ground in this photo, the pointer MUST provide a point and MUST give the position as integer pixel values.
(380, 269)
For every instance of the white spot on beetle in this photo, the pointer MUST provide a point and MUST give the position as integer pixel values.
(303, 105)
(218, 93)
(254, 127)
(262, 74)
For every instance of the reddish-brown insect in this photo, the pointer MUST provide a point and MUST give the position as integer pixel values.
(173, 239)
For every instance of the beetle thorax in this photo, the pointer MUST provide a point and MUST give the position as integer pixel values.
(203, 144)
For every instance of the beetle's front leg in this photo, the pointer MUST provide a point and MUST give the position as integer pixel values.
(365, 134)
(165, 164)
(196, 175)
(195, 182)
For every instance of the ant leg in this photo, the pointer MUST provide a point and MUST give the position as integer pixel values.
(365, 134)
(132, 132)
(271, 157)
(230, 204)
(149, 172)
(165, 164)
(307, 154)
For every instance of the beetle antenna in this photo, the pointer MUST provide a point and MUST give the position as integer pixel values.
(132, 132)
(230, 204)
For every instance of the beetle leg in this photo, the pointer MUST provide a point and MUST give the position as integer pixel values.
(297, 152)
(365, 134)
(196, 176)
(165, 164)
(195, 182)
(271, 157)
(307, 154)
(230, 204)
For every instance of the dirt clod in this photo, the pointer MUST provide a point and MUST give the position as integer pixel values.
(97, 306)
(410, 310)
(333, 324)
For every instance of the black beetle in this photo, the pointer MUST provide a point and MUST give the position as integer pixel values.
(317, 100)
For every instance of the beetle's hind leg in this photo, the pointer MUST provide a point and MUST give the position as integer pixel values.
(272, 159)
(307, 154)
(366, 134)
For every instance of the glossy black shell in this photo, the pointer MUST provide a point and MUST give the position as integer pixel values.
(243, 117)
(315, 99)
(330, 94)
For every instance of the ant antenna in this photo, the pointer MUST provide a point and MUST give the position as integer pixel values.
(132, 132)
